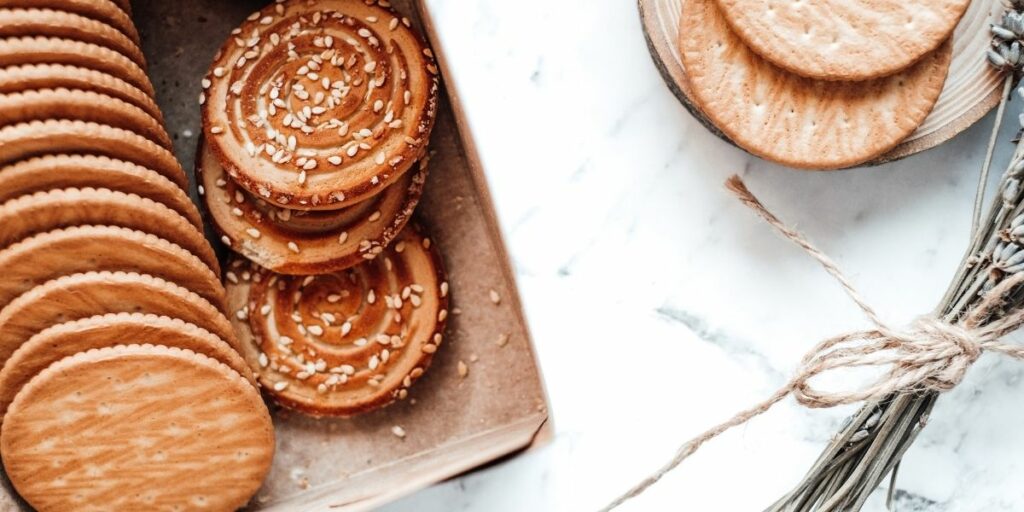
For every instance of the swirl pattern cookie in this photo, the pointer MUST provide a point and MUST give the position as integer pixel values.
(349, 342)
(320, 105)
(188, 433)
(306, 241)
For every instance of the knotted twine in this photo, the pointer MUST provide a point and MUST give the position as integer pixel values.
(930, 354)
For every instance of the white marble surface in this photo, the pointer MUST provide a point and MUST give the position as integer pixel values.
(659, 305)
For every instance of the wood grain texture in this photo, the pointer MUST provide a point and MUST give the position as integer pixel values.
(971, 89)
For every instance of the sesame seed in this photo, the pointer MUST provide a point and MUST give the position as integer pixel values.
(263, 360)
(315, 330)
(502, 339)
(253, 232)
(430, 349)
(398, 431)
(334, 160)
(280, 385)
(218, 71)
(375, 216)
(343, 237)
(293, 247)
(225, 240)
(463, 369)
(495, 298)
(216, 130)
(444, 289)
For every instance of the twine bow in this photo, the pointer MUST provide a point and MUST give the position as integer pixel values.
(928, 355)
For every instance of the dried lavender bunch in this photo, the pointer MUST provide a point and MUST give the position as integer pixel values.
(872, 443)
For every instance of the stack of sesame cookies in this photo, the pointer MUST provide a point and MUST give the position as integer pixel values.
(316, 119)
(120, 375)
(817, 84)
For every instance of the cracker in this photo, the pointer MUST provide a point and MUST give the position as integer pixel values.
(69, 338)
(52, 76)
(52, 172)
(16, 51)
(797, 121)
(66, 25)
(137, 427)
(102, 10)
(61, 208)
(46, 256)
(843, 39)
(27, 140)
(81, 105)
(89, 294)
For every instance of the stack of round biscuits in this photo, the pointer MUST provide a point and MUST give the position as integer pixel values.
(316, 119)
(817, 84)
(121, 378)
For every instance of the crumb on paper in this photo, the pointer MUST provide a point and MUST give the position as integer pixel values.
(473, 358)
(495, 298)
(463, 369)
(456, 311)
(398, 431)
(502, 339)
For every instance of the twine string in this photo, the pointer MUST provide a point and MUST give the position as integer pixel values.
(927, 355)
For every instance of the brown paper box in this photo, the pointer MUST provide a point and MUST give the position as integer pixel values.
(453, 424)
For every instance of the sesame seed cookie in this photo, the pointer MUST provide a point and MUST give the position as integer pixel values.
(52, 172)
(796, 121)
(305, 242)
(338, 98)
(81, 105)
(137, 427)
(35, 138)
(61, 208)
(67, 339)
(840, 39)
(373, 328)
(46, 256)
(88, 294)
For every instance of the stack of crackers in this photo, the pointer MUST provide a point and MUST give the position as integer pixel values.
(122, 385)
(817, 84)
(316, 119)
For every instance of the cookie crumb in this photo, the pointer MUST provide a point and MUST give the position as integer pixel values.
(463, 369)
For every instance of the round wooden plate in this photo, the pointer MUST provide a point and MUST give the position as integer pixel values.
(972, 88)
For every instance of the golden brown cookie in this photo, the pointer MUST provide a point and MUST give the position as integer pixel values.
(320, 105)
(102, 10)
(311, 241)
(843, 39)
(27, 140)
(797, 121)
(54, 76)
(61, 208)
(51, 172)
(349, 342)
(66, 25)
(81, 105)
(17, 51)
(46, 256)
(137, 427)
(79, 296)
(69, 338)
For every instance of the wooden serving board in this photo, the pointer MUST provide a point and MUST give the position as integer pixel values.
(971, 90)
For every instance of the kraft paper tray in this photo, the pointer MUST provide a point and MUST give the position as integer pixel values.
(453, 424)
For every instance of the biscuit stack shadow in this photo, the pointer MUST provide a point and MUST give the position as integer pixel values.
(316, 119)
(121, 377)
(821, 84)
